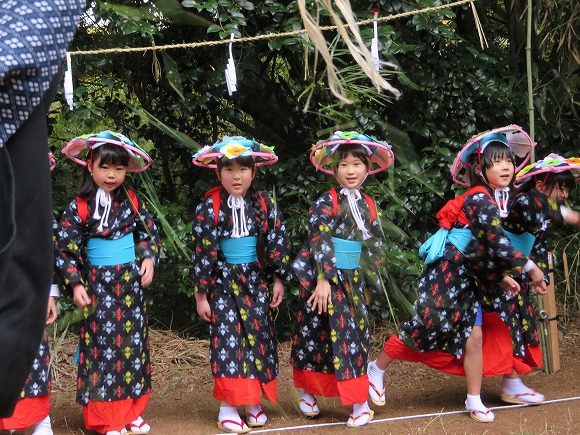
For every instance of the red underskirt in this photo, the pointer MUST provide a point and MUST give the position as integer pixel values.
(106, 416)
(351, 391)
(498, 358)
(27, 413)
(243, 391)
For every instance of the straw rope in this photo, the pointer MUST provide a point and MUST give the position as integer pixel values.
(259, 37)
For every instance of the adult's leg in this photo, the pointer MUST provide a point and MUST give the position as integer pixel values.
(29, 260)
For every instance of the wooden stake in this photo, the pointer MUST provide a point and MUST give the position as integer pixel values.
(553, 347)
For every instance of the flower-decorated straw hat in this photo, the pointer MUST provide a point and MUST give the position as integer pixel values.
(232, 147)
(139, 160)
(512, 135)
(379, 152)
(551, 163)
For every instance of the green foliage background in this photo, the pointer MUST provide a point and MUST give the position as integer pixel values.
(174, 101)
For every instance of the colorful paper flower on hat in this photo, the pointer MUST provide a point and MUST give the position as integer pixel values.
(139, 160)
(235, 149)
(379, 152)
(232, 147)
(551, 163)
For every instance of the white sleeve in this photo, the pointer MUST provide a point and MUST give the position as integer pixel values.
(54, 291)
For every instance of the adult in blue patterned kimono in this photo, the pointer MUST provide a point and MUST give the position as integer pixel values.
(109, 246)
(468, 256)
(240, 251)
(337, 266)
(539, 205)
(34, 35)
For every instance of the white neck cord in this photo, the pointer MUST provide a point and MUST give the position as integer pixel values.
(353, 195)
(502, 196)
(103, 199)
(239, 219)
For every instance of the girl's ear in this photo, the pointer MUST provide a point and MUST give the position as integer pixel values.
(90, 165)
(254, 172)
(477, 169)
(540, 185)
(217, 172)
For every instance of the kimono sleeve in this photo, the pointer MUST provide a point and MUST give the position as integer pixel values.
(69, 246)
(146, 236)
(277, 245)
(320, 224)
(205, 247)
(372, 255)
(494, 251)
(530, 211)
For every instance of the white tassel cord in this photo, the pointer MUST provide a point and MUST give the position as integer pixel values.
(102, 199)
(353, 195)
(239, 218)
(501, 198)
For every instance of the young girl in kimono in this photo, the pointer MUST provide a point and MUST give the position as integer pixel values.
(240, 251)
(32, 410)
(468, 255)
(108, 248)
(539, 204)
(336, 266)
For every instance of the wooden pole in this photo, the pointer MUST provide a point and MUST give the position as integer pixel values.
(552, 344)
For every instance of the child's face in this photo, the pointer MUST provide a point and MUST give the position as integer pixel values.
(351, 172)
(107, 176)
(557, 193)
(500, 175)
(236, 178)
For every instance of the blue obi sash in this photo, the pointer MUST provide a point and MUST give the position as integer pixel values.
(434, 248)
(347, 253)
(107, 252)
(239, 250)
(522, 242)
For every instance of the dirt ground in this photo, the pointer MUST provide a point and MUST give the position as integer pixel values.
(182, 401)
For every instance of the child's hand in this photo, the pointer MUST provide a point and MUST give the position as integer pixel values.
(147, 270)
(510, 285)
(51, 311)
(81, 297)
(277, 293)
(321, 296)
(203, 308)
(537, 277)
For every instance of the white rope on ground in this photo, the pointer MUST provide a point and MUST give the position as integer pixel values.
(408, 417)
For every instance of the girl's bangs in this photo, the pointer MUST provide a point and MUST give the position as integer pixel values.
(244, 161)
(110, 154)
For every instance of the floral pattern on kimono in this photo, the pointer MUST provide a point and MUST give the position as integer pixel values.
(449, 289)
(38, 382)
(337, 341)
(114, 362)
(532, 212)
(242, 335)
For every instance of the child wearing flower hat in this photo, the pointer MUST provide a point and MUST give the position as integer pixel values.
(240, 260)
(337, 264)
(470, 254)
(109, 246)
(540, 203)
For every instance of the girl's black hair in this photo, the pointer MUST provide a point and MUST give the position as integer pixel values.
(551, 181)
(106, 154)
(493, 151)
(343, 151)
(255, 199)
